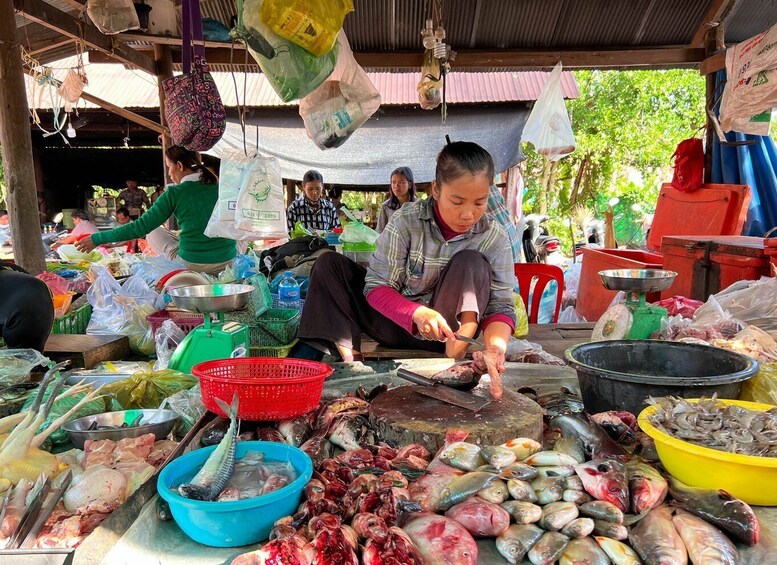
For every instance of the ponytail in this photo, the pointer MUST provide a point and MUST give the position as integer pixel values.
(206, 165)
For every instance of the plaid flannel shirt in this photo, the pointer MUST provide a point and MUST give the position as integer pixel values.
(497, 209)
(325, 218)
(412, 253)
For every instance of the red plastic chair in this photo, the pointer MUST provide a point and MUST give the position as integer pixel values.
(543, 274)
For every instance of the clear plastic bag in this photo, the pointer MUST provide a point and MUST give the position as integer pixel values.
(311, 24)
(571, 283)
(744, 300)
(570, 316)
(152, 269)
(167, 338)
(763, 387)
(69, 252)
(292, 71)
(341, 104)
(260, 208)
(522, 351)
(113, 16)
(357, 232)
(430, 86)
(548, 127)
(16, 364)
(188, 405)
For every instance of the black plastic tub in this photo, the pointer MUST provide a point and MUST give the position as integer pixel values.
(620, 375)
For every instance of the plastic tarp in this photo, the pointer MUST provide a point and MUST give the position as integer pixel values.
(754, 163)
(392, 137)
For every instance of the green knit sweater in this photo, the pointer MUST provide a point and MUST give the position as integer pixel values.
(192, 203)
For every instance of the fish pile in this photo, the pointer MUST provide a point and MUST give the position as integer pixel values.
(717, 425)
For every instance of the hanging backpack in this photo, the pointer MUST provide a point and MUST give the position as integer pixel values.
(688, 164)
(193, 108)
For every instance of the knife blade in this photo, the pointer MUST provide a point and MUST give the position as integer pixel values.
(29, 515)
(46, 511)
(443, 393)
(473, 342)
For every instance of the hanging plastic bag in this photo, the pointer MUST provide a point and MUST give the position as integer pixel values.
(548, 127)
(260, 207)
(113, 16)
(688, 165)
(148, 389)
(341, 104)
(430, 86)
(73, 85)
(292, 71)
(311, 24)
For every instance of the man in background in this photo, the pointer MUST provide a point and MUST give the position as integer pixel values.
(134, 199)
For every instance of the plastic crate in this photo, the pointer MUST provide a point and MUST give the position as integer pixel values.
(74, 322)
(297, 304)
(274, 328)
(278, 352)
(185, 320)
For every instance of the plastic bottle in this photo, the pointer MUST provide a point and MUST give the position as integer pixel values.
(288, 292)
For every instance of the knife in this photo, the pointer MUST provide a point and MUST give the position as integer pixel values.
(469, 340)
(20, 534)
(443, 393)
(46, 511)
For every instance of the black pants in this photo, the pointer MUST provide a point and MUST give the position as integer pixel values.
(337, 312)
(26, 310)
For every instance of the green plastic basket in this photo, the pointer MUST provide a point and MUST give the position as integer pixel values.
(267, 351)
(74, 322)
(274, 328)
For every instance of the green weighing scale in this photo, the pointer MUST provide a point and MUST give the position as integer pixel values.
(212, 340)
(636, 319)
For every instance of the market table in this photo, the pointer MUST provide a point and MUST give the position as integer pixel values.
(87, 351)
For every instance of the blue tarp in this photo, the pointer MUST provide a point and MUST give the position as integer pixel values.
(754, 164)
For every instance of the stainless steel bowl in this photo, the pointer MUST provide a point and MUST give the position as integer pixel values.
(95, 379)
(637, 280)
(160, 425)
(212, 297)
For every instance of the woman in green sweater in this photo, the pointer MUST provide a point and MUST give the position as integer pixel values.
(191, 199)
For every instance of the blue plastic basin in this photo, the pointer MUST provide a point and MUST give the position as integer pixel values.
(240, 522)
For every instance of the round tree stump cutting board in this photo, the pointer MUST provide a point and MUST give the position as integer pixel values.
(403, 416)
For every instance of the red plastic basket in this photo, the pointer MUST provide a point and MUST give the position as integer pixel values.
(268, 388)
(185, 320)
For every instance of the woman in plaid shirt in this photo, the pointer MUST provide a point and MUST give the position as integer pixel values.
(442, 265)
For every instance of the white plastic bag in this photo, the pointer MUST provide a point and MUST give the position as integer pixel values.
(167, 338)
(744, 300)
(233, 169)
(548, 127)
(260, 207)
(113, 16)
(342, 103)
(570, 316)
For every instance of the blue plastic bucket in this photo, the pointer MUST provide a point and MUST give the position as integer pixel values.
(240, 522)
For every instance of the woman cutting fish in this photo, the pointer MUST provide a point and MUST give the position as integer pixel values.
(441, 267)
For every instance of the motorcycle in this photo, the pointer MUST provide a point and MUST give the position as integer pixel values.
(538, 245)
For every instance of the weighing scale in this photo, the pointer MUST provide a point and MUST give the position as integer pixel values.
(636, 283)
(212, 340)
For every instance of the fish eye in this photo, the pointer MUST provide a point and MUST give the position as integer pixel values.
(602, 468)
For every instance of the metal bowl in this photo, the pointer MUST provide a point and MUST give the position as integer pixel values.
(212, 297)
(161, 425)
(637, 280)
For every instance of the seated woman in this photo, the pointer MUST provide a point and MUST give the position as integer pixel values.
(191, 199)
(26, 310)
(402, 190)
(83, 227)
(442, 265)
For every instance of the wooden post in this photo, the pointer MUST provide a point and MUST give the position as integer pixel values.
(16, 144)
(163, 57)
(291, 193)
(709, 49)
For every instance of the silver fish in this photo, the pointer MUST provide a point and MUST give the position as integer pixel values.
(573, 483)
(610, 530)
(211, 479)
(705, 543)
(521, 490)
(583, 551)
(602, 510)
(548, 489)
(463, 487)
(523, 512)
(520, 471)
(462, 455)
(579, 528)
(548, 549)
(618, 552)
(556, 471)
(522, 447)
(498, 456)
(656, 540)
(556, 515)
(496, 493)
(514, 543)
(576, 496)
(571, 446)
(550, 458)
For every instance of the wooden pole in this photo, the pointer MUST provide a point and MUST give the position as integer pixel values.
(709, 49)
(163, 57)
(291, 193)
(16, 143)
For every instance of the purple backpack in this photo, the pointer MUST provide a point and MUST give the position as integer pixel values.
(193, 107)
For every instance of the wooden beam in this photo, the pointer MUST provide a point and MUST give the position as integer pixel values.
(42, 47)
(713, 63)
(50, 17)
(16, 145)
(716, 15)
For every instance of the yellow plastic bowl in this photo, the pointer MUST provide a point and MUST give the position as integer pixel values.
(747, 477)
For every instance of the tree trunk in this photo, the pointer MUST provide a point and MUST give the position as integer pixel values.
(544, 181)
(17, 148)
(578, 181)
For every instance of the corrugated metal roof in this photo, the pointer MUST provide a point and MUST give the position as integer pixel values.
(139, 90)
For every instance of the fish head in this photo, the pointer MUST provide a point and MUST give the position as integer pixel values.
(195, 492)
(605, 479)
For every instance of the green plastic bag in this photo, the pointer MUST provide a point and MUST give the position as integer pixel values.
(97, 406)
(147, 389)
(299, 230)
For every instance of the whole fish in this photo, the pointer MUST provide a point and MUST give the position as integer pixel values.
(462, 373)
(573, 483)
(550, 458)
(427, 490)
(441, 541)
(611, 530)
(619, 553)
(211, 479)
(548, 489)
(463, 487)
(705, 543)
(521, 490)
(605, 479)
(578, 528)
(328, 412)
(498, 456)
(561, 402)
(576, 496)
(496, 493)
(656, 540)
(522, 447)
(598, 445)
(296, 430)
(602, 510)
(719, 508)
(556, 515)
(462, 455)
(572, 446)
(647, 487)
(523, 512)
(515, 542)
(480, 518)
(583, 551)
(548, 549)
(520, 471)
(556, 471)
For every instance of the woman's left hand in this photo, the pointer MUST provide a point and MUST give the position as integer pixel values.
(86, 245)
(492, 361)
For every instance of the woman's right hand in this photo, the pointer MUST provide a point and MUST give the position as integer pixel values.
(431, 324)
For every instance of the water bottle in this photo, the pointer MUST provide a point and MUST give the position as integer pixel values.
(288, 292)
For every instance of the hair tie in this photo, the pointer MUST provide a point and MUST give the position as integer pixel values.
(447, 139)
